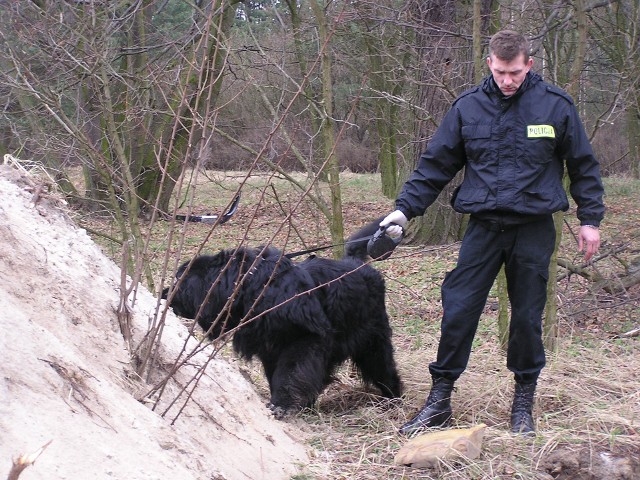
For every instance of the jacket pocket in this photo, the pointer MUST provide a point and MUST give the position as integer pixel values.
(544, 201)
(464, 199)
(539, 151)
(470, 132)
(477, 141)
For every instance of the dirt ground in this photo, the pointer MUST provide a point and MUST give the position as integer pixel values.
(66, 377)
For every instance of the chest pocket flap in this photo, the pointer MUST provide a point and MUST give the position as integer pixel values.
(476, 131)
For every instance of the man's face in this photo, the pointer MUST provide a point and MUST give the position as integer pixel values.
(509, 75)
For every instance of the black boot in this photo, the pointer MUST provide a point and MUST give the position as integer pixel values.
(436, 411)
(521, 417)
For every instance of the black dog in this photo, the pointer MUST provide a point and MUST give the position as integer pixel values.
(301, 320)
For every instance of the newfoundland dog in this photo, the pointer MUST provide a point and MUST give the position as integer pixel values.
(300, 319)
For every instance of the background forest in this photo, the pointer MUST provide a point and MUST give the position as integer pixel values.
(134, 92)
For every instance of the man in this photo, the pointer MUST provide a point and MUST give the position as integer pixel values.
(513, 134)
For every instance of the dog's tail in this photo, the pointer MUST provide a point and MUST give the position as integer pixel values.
(358, 248)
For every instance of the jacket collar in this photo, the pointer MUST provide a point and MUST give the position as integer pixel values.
(490, 87)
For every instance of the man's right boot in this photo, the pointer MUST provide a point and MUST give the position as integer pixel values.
(436, 411)
(521, 409)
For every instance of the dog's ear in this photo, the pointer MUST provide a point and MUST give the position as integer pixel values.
(165, 293)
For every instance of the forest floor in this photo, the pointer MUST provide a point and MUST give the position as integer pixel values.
(588, 403)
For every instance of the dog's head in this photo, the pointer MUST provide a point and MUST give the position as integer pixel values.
(210, 280)
(186, 298)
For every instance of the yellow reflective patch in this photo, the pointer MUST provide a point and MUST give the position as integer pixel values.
(541, 131)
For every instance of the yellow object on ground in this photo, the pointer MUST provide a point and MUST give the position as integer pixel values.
(425, 450)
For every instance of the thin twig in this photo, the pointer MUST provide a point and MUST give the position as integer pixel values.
(24, 461)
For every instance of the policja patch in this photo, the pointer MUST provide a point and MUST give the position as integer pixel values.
(541, 131)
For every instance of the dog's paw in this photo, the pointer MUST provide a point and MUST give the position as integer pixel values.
(278, 412)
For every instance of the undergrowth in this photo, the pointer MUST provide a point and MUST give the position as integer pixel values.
(588, 399)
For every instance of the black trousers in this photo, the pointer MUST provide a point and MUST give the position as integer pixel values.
(525, 250)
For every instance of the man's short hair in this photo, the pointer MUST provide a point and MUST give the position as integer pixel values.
(508, 44)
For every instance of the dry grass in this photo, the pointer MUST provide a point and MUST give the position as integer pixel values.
(588, 398)
(588, 401)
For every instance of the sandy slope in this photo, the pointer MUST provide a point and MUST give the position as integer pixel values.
(66, 375)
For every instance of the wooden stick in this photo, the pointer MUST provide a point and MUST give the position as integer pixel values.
(631, 333)
(23, 461)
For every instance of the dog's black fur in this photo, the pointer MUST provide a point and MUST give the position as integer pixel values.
(311, 317)
(358, 248)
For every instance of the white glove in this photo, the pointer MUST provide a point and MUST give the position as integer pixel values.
(400, 221)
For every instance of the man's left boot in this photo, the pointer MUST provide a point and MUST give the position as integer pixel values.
(522, 408)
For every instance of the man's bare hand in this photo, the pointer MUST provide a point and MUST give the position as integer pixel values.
(588, 241)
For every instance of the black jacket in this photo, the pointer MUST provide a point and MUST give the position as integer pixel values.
(514, 150)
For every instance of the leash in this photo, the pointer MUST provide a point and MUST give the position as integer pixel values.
(379, 245)
(325, 247)
(211, 219)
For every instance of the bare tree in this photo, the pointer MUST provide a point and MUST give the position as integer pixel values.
(445, 69)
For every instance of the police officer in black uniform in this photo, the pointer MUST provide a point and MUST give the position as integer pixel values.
(513, 134)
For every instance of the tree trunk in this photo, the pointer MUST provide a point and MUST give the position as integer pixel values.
(385, 84)
(633, 135)
(386, 123)
(440, 223)
(478, 57)
(550, 328)
(309, 95)
(332, 165)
